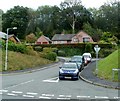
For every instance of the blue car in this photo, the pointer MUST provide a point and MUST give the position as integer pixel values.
(69, 70)
(79, 60)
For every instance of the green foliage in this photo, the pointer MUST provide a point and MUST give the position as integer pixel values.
(19, 61)
(38, 48)
(88, 47)
(17, 47)
(61, 53)
(16, 17)
(106, 65)
(31, 38)
(93, 32)
(47, 49)
(51, 55)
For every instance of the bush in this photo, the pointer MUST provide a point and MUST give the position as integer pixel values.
(17, 47)
(38, 48)
(51, 55)
(30, 51)
(47, 49)
(88, 47)
(61, 53)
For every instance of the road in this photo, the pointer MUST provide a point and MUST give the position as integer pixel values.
(44, 84)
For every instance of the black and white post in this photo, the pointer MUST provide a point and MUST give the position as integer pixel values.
(97, 49)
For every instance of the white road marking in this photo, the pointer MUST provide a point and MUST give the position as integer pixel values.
(83, 96)
(43, 97)
(63, 98)
(17, 92)
(30, 93)
(30, 96)
(20, 84)
(4, 91)
(64, 95)
(55, 80)
(1, 93)
(50, 95)
(11, 94)
(116, 97)
(101, 97)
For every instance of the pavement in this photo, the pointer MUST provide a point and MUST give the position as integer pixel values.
(88, 76)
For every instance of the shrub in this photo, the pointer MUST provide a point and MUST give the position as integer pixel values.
(61, 53)
(17, 47)
(51, 55)
(88, 47)
(30, 51)
(47, 49)
(38, 48)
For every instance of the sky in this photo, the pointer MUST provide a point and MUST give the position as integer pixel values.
(7, 4)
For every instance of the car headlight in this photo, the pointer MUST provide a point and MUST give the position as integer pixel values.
(76, 71)
(79, 64)
(61, 71)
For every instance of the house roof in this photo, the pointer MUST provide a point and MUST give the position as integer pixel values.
(62, 37)
(3, 35)
(12, 35)
(47, 39)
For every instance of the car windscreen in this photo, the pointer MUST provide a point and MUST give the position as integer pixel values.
(76, 59)
(86, 56)
(69, 66)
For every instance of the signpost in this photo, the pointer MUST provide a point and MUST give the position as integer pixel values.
(97, 49)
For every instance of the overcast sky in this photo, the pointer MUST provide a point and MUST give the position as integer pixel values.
(7, 4)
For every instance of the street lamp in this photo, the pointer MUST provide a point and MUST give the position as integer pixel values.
(6, 56)
(97, 49)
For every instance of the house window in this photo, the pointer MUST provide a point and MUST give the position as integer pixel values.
(86, 39)
(75, 40)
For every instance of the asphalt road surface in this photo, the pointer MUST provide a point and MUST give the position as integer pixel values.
(44, 84)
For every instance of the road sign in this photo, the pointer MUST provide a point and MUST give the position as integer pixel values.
(97, 49)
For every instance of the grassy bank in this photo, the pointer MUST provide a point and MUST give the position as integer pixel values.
(19, 61)
(106, 65)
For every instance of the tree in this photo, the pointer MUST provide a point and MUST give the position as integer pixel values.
(75, 14)
(1, 12)
(16, 17)
(107, 17)
(31, 38)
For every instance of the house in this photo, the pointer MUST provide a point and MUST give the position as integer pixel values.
(3, 35)
(13, 38)
(83, 37)
(43, 40)
(71, 38)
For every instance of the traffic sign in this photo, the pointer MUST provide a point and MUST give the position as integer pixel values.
(97, 49)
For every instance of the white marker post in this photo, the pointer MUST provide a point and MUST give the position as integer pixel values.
(97, 49)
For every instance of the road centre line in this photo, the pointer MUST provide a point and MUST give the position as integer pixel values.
(50, 95)
(43, 97)
(19, 84)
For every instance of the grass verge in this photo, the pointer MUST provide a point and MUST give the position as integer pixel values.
(106, 65)
(19, 61)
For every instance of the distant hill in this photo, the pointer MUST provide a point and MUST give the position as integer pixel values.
(106, 65)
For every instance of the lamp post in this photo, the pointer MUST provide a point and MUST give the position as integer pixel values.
(6, 56)
(97, 49)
